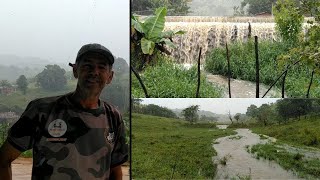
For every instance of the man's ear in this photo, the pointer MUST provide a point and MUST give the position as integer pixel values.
(74, 70)
(110, 77)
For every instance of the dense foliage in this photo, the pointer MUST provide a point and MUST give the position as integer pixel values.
(22, 84)
(152, 109)
(242, 62)
(146, 7)
(52, 78)
(253, 7)
(148, 38)
(288, 20)
(168, 80)
(284, 110)
(190, 113)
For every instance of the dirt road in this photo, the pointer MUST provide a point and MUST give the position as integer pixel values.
(21, 169)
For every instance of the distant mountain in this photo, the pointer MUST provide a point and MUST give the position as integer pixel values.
(12, 66)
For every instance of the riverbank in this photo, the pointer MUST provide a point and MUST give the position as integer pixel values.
(234, 162)
(164, 148)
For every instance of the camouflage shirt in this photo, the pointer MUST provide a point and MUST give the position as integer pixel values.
(70, 142)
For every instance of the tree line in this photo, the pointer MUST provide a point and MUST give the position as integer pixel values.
(284, 111)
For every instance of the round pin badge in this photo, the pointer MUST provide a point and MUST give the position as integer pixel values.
(57, 128)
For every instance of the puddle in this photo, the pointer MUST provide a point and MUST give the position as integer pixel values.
(240, 164)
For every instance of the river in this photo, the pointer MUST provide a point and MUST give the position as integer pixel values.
(241, 164)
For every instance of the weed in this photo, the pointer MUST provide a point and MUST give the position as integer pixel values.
(235, 137)
(224, 159)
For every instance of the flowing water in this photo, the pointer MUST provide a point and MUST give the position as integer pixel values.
(242, 88)
(211, 32)
(240, 164)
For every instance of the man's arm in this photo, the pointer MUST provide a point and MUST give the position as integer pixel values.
(7, 154)
(116, 173)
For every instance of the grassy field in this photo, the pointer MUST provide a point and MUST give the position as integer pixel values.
(165, 148)
(305, 132)
(304, 135)
(33, 92)
(167, 80)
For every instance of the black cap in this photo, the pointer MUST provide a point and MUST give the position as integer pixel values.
(97, 48)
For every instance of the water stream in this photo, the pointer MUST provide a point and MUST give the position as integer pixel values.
(212, 32)
(241, 164)
(241, 88)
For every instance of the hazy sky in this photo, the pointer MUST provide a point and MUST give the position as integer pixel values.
(56, 29)
(215, 105)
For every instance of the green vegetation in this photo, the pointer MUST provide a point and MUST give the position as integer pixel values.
(176, 7)
(152, 109)
(304, 132)
(148, 38)
(288, 20)
(164, 148)
(167, 80)
(242, 62)
(305, 167)
(21, 100)
(52, 78)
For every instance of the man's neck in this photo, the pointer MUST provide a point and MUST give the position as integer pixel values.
(85, 100)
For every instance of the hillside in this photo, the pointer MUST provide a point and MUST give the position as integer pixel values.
(11, 66)
(164, 148)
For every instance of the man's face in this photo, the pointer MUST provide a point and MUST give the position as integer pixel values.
(93, 73)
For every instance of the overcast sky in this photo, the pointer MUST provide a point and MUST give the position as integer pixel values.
(56, 29)
(215, 105)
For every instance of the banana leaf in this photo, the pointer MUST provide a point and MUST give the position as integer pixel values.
(154, 25)
(147, 46)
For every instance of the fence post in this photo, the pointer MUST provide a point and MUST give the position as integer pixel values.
(312, 74)
(257, 65)
(283, 83)
(140, 80)
(198, 88)
(229, 71)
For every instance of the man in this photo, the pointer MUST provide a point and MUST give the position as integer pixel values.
(73, 136)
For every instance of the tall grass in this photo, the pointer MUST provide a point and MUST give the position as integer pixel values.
(168, 80)
(242, 62)
(164, 148)
(304, 132)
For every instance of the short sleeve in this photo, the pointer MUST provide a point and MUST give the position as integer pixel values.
(21, 134)
(120, 150)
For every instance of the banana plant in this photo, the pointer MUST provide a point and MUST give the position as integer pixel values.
(148, 35)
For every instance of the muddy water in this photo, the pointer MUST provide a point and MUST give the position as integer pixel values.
(241, 88)
(240, 163)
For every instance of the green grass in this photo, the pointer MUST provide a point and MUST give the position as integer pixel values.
(307, 168)
(33, 92)
(242, 62)
(166, 80)
(164, 148)
(301, 133)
